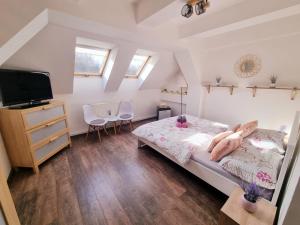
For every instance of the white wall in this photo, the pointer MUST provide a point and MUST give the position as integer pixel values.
(272, 108)
(289, 210)
(55, 53)
(292, 216)
(89, 91)
(173, 100)
(188, 67)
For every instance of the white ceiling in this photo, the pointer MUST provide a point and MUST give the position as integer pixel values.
(215, 6)
(117, 20)
(133, 1)
(171, 15)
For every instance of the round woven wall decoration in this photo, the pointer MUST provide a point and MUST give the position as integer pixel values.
(247, 66)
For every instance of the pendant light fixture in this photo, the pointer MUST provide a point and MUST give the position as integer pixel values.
(200, 7)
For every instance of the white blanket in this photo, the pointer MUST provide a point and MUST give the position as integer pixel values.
(181, 142)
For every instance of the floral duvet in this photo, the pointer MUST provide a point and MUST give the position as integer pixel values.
(181, 142)
(258, 159)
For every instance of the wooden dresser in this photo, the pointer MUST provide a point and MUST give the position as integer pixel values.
(33, 135)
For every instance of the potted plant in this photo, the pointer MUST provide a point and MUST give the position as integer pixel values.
(273, 80)
(218, 81)
(249, 199)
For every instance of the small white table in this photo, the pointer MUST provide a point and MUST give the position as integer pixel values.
(113, 119)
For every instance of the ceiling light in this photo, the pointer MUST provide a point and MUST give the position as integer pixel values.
(200, 7)
(187, 11)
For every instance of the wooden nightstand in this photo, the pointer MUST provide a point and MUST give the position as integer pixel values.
(232, 212)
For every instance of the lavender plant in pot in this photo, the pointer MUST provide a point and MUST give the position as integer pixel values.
(218, 81)
(249, 199)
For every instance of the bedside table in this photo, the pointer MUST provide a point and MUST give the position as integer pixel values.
(232, 212)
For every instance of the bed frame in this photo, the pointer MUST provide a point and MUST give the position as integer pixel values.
(224, 184)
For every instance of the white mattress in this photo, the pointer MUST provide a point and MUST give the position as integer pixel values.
(202, 157)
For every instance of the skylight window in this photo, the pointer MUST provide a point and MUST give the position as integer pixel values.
(90, 61)
(137, 65)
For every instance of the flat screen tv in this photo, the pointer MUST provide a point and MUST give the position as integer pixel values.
(24, 87)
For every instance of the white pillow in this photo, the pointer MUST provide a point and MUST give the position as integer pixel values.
(268, 139)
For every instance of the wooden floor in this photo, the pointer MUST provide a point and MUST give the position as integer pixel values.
(113, 183)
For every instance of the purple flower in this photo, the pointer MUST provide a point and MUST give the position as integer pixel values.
(263, 176)
(252, 192)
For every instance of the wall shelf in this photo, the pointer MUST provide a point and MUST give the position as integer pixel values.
(177, 92)
(210, 86)
(292, 89)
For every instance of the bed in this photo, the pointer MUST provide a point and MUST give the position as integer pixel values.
(188, 148)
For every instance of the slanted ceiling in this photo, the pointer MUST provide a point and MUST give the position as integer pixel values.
(53, 34)
(39, 38)
(53, 50)
(14, 15)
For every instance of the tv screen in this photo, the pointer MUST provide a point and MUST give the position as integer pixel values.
(17, 86)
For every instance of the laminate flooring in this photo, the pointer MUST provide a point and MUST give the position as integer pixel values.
(113, 182)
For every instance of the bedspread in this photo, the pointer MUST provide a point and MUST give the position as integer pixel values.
(181, 142)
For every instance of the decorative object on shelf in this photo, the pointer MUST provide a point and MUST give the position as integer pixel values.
(247, 66)
(164, 90)
(200, 7)
(293, 90)
(218, 81)
(249, 199)
(178, 92)
(209, 86)
(273, 80)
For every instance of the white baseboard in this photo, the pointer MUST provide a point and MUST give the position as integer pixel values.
(136, 119)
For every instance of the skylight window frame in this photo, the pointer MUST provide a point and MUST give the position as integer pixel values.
(136, 76)
(101, 71)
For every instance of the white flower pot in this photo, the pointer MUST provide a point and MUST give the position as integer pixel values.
(248, 206)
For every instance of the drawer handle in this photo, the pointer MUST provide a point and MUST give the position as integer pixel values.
(46, 107)
(50, 124)
(53, 139)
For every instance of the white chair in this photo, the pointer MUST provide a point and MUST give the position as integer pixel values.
(125, 114)
(108, 111)
(93, 121)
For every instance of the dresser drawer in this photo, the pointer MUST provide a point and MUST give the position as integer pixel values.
(44, 115)
(46, 130)
(53, 146)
